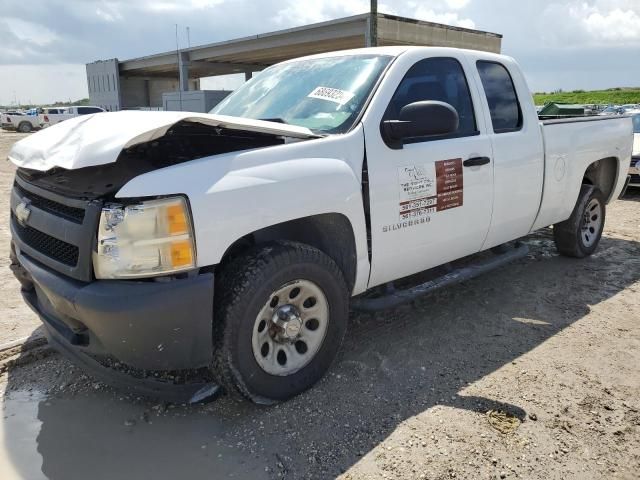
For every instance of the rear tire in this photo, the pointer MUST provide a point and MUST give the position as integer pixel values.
(25, 127)
(270, 345)
(580, 234)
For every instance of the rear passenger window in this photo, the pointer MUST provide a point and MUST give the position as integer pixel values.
(506, 114)
(440, 79)
(87, 110)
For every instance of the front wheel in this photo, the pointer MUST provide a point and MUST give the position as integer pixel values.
(280, 318)
(580, 234)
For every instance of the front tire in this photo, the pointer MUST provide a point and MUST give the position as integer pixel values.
(580, 234)
(281, 313)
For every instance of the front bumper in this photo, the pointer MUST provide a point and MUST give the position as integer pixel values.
(148, 325)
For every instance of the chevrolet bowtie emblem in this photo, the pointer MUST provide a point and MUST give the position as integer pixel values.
(23, 212)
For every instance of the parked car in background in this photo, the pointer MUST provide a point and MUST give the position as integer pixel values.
(613, 110)
(634, 169)
(19, 121)
(51, 116)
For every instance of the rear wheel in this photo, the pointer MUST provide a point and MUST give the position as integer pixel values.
(580, 234)
(281, 314)
(25, 127)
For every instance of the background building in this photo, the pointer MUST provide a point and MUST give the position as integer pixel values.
(141, 82)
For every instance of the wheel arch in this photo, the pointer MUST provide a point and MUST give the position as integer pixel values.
(603, 174)
(331, 233)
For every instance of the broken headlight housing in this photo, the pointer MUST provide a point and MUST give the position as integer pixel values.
(147, 239)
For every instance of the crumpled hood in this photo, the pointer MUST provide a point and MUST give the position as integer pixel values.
(98, 139)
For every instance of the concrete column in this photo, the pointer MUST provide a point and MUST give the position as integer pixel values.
(147, 93)
(183, 70)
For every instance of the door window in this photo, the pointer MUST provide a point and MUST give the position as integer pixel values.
(440, 79)
(87, 110)
(506, 114)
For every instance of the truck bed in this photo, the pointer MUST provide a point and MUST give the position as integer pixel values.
(570, 146)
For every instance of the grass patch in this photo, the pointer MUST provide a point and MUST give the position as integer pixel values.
(618, 96)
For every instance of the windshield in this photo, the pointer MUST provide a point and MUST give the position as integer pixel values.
(636, 123)
(323, 94)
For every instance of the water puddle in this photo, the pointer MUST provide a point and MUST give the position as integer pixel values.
(102, 436)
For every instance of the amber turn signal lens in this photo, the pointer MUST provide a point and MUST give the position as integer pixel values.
(177, 220)
(181, 254)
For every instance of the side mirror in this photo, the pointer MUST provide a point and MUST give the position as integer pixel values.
(420, 119)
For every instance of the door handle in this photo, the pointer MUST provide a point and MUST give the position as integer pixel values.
(476, 161)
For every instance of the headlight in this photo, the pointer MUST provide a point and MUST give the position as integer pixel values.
(143, 240)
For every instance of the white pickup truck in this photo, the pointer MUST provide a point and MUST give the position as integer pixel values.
(231, 243)
(20, 122)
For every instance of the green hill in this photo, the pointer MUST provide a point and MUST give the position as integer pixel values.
(618, 96)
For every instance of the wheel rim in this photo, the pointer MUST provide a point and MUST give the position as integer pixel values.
(591, 223)
(290, 328)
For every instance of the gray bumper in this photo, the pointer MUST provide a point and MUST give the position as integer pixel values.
(145, 325)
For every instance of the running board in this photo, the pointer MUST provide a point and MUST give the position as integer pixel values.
(398, 297)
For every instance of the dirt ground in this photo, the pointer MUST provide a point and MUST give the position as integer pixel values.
(16, 321)
(532, 371)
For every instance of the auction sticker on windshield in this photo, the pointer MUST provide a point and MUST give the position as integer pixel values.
(430, 188)
(331, 94)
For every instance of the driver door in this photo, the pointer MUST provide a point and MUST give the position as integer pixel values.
(429, 204)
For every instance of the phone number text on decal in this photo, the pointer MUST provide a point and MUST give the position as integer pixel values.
(422, 212)
(418, 203)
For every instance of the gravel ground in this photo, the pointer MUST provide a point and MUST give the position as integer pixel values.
(532, 371)
(17, 320)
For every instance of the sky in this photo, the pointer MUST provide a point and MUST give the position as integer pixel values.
(44, 44)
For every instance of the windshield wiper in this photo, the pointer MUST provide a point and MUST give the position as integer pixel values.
(276, 120)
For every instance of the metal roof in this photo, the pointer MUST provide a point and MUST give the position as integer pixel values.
(255, 52)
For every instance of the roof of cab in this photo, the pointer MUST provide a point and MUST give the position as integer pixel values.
(396, 51)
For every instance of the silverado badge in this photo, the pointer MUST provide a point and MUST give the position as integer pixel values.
(23, 212)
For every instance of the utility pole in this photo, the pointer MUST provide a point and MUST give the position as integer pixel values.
(373, 24)
(180, 69)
